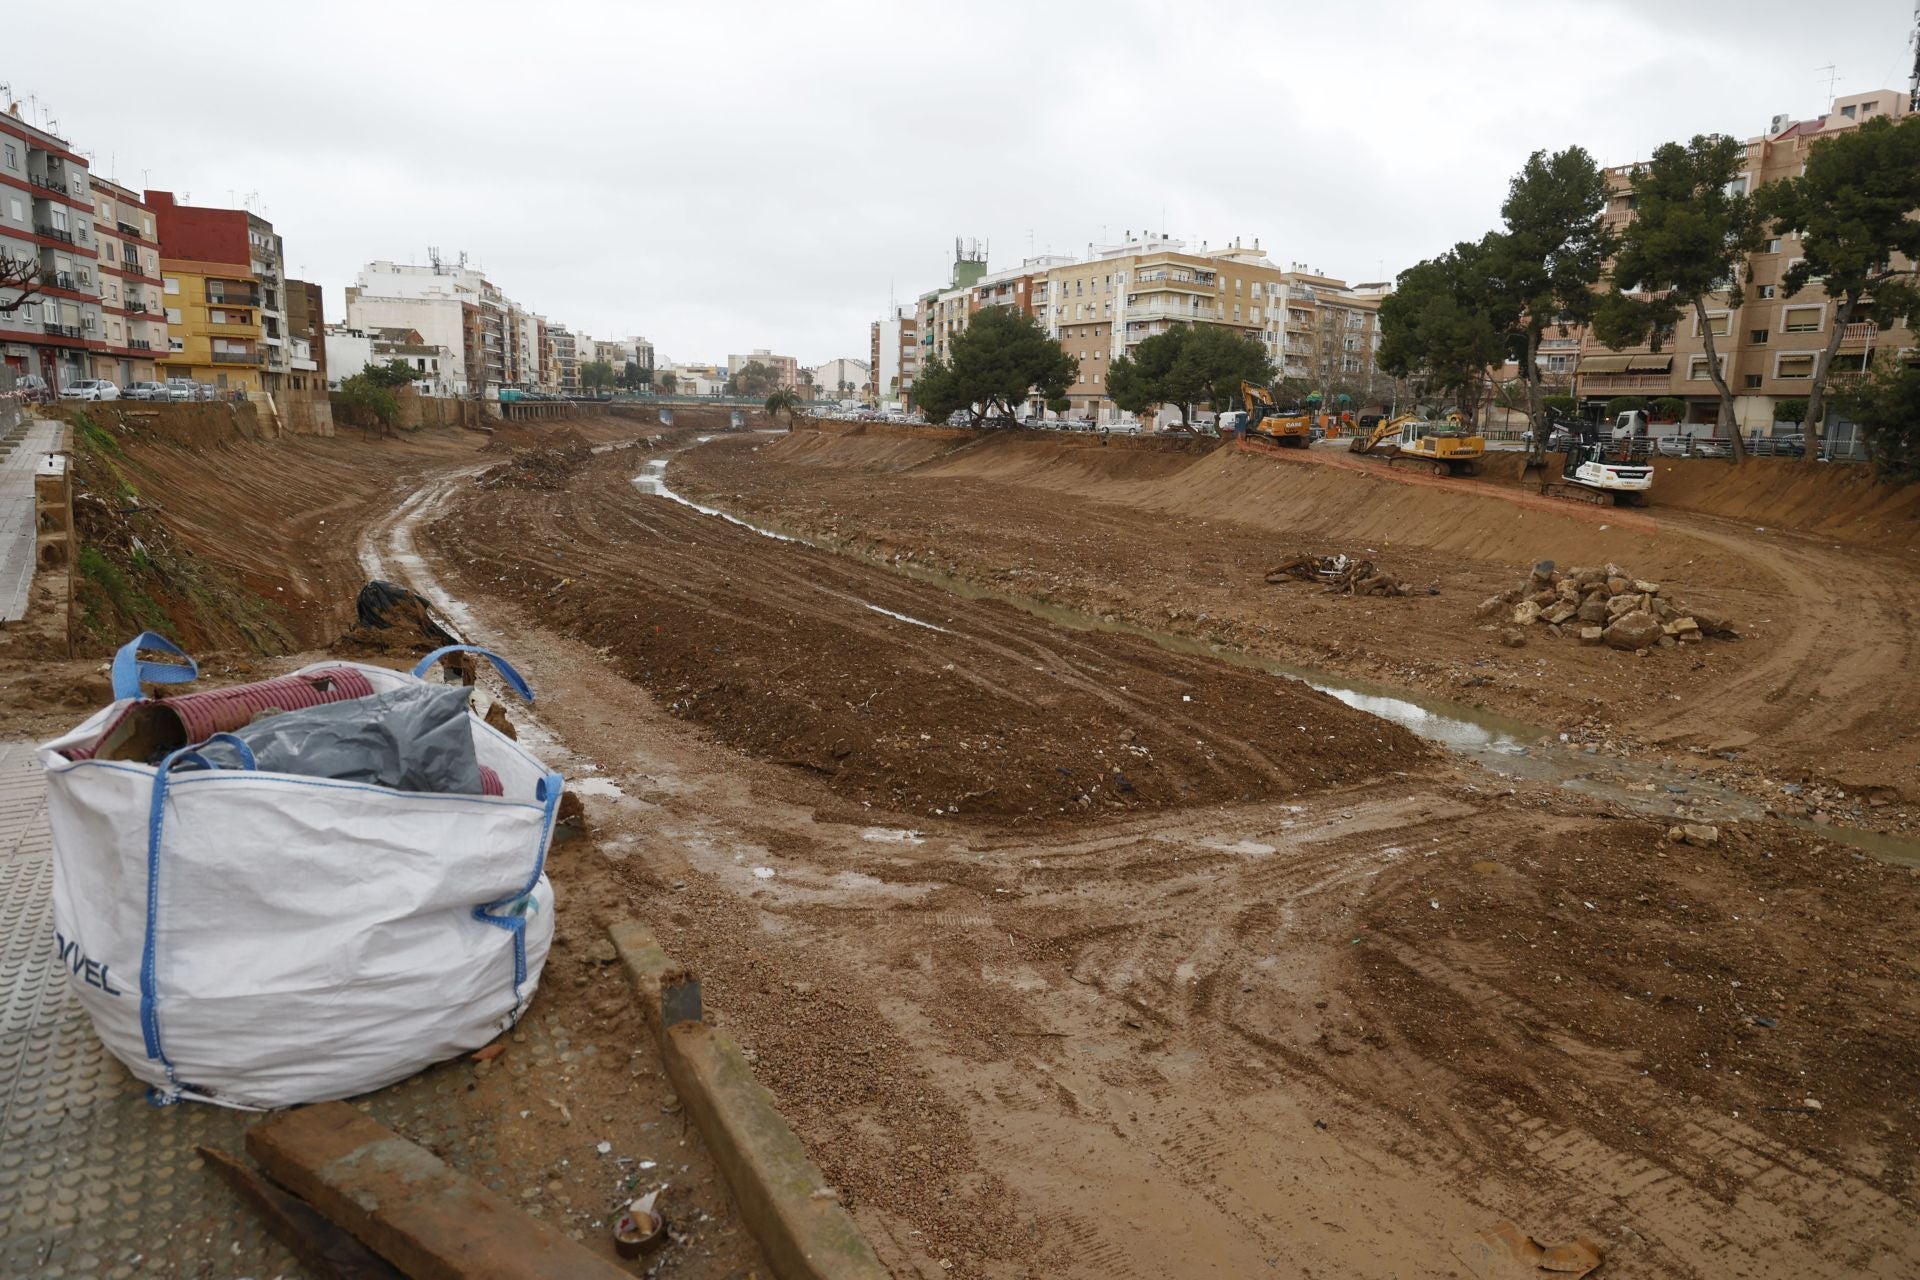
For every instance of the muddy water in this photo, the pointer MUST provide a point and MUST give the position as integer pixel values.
(1504, 746)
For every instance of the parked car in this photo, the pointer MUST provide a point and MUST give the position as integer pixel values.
(182, 389)
(33, 387)
(90, 389)
(145, 391)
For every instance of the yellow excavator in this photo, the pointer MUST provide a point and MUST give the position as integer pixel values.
(1444, 448)
(1262, 419)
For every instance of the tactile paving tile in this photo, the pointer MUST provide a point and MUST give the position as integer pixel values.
(96, 1184)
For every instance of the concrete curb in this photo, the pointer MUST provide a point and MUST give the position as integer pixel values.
(783, 1199)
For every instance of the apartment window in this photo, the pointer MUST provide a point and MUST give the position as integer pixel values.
(1802, 320)
(1766, 291)
(1753, 380)
(1697, 368)
(1720, 322)
(1759, 337)
(13, 156)
(1773, 245)
(1847, 112)
(172, 285)
(1794, 367)
(17, 209)
(1738, 187)
(58, 213)
(173, 315)
(1868, 108)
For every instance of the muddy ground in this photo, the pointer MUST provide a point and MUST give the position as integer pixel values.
(1807, 711)
(1308, 999)
(1331, 1028)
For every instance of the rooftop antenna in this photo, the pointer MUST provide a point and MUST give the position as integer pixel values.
(1833, 78)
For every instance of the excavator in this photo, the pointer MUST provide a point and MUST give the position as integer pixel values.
(1444, 448)
(1262, 419)
(1599, 470)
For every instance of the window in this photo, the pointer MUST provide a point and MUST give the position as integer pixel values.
(1697, 368)
(1773, 245)
(172, 285)
(1721, 322)
(173, 317)
(17, 209)
(1803, 320)
(1753, 380)
(1794, 367)
(1766, 291)
(58, 213)
(1847, 112)
(13, 156)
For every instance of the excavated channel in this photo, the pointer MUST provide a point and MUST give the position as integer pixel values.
(1497, 743)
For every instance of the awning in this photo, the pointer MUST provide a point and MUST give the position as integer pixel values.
(1649, 364)
(1603, 364)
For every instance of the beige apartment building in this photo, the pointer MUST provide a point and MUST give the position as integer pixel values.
(132, 305)
(1767, 346)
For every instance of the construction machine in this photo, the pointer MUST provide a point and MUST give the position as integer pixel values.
(1441, 447)
(1599, 470)
(1262, 419)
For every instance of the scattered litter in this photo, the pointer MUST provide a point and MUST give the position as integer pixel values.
(605, 1148)
(1339, 575)
(763, 873)
(641, 1229)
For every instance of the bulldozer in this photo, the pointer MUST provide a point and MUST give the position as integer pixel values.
(1444, 448)
(1262, 419)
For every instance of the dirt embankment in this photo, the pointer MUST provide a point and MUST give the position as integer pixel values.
(1807, 697)
(897, 695)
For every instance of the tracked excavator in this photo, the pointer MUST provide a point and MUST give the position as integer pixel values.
(1600, 470)
(1262, 419)
(1445, 448)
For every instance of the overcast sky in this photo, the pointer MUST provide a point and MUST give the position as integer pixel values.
(723, 176)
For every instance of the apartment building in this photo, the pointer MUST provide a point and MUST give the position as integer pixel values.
(785, 368)
(841, 379)
(132, 302)
(226, 314)
(306, 336)
(566, 358)
(1769, 345)
(454, 307)
(47, 217)
(350, 350)
(893, 350)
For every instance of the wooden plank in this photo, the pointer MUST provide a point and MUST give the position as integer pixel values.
(327, 1251)
(427, 1218)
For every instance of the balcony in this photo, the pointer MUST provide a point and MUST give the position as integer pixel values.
(52, 232)
(1150, 312)
(127, 229)
(236, 357)
(1591, 382)
(1859, 335)
(139, 344)
(63, 330)
(233, 299)
(59, 280)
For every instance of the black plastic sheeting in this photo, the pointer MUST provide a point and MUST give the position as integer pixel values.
(419, 738)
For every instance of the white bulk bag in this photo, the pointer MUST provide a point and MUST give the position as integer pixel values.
(262, 940)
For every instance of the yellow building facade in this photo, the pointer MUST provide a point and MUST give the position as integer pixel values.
(214, 324)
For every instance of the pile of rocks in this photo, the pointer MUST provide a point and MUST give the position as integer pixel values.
(1601, 606)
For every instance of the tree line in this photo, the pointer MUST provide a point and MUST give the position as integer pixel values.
(1555, 263)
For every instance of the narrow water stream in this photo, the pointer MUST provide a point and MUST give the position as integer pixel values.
(1498, 743)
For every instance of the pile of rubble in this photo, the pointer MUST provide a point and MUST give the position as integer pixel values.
(1339, 575)
(548, 467)
(1601, 606)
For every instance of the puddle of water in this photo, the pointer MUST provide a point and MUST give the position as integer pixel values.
(653, 479)
(891, 835)
(904, 618)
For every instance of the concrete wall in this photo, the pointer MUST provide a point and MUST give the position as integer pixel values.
(305, 413)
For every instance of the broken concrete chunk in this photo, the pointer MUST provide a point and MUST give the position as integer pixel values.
(1646, 588)
(1491, 607)
(1525, 612)
(1593, 611)
(1559, 613)
(1617, 585)
(1694, 834)
(1592, 635)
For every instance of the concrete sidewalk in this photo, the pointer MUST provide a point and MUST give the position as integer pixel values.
(36, 437)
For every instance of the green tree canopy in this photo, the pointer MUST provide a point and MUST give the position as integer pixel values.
(1186, 364)
(1691, 232)
(785, 400)
(1886, 404)
(1443, 325)
(754, 379)
(1000, 359)
(394, 373)
(669, 381)
(1553, 253)
(596, 375)
(1853, 211)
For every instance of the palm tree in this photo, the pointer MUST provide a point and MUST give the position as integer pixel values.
(785, 400)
